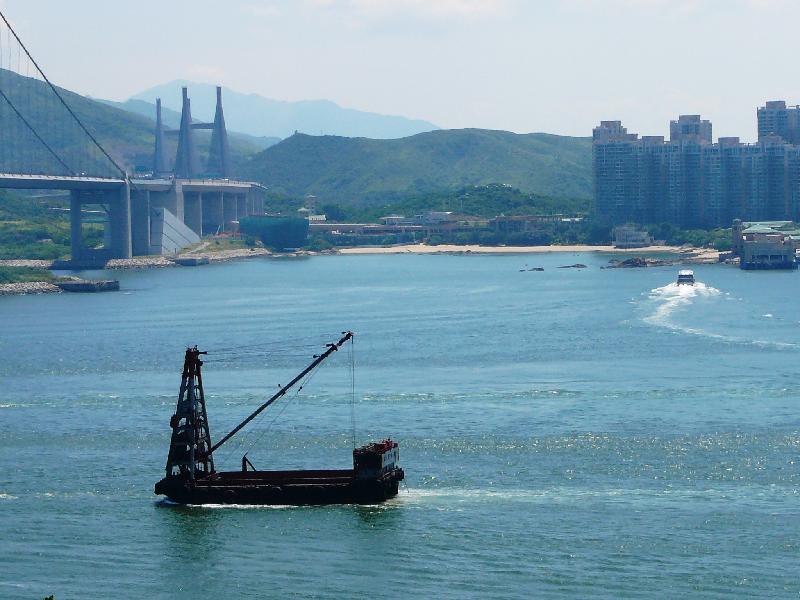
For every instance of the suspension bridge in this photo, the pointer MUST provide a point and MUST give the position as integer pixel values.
(45, 143)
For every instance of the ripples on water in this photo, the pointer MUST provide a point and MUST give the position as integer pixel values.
(591, 432)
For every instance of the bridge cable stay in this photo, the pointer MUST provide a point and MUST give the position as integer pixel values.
(32, 134)
(35, 133)
(20, 46)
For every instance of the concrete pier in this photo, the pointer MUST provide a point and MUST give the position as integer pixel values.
(241, 206)
(193, 212)
(140, 222)
(204, 206)
(75, 225)
(213, 217)
(229, 211)
(120, 220)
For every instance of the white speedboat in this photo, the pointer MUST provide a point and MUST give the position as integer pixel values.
(685, 277)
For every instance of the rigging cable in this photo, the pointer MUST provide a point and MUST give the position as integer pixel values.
(283, 408)
(352, 353)
(243, 440)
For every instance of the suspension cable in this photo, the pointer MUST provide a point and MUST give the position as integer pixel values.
(35, 133)
(58, 95)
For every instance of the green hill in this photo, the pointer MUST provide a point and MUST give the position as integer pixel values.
(357, 170)
(128, 137)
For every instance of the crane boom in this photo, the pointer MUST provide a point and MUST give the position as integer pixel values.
(331, 349)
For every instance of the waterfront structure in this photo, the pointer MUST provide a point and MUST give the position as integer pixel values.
(692, 182)
(766, 244)
(629, 236)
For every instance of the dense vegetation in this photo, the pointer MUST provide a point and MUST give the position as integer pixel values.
(671, 235)
(38, 228)
(277, 233)
(481, 201)
(23, 274)
(366, 171)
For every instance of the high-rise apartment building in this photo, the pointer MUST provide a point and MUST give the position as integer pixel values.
(690, 128)
(690, 181)
(775, 118)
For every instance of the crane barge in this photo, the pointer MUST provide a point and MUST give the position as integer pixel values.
(192, 479)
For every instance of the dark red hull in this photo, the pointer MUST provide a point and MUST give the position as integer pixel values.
(282, 488)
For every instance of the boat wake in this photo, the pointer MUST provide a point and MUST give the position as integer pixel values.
(673, 298)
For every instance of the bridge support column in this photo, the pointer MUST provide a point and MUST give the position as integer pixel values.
(75, 226)
(193, 212)
(241, 206)
(120, 220)
(176, 202)
(229, 212)
(213, 218)
(140, 222)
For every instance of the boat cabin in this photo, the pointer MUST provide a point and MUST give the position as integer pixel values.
(686, 277)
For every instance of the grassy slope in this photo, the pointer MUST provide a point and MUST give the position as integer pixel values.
(24, 274)
(360, 169)
(31, 229)
(128, 137)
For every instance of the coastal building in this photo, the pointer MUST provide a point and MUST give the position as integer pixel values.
(528, 223)
(396, 220)
(692, 182)
(630, 236)
(766, 244)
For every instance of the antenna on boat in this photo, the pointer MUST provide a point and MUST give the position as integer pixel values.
(331, 348)
(189, 452)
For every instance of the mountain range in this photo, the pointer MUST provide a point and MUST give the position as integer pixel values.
(264, 117)
(358, 170)
(334, 168)
(126, 134)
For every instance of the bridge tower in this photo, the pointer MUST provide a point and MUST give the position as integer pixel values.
(186, 163)
(219, 155)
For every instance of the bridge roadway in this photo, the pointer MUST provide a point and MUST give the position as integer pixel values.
(204, 205)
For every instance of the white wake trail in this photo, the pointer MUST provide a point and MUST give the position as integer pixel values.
(673, 298)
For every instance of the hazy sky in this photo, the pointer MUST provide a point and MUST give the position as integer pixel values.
(538, 65)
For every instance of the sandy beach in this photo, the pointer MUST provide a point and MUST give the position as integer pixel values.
(699, 254)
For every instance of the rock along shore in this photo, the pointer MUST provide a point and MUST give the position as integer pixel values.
(28, 287)
(684, 255)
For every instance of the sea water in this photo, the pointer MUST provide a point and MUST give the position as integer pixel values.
(571, 432)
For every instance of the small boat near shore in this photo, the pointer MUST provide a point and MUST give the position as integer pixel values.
(192, 479)
(686, 277)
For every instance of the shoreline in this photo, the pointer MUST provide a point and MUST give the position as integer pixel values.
(688, 252)
(685, 254)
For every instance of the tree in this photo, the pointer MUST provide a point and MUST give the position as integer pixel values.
(279, 233)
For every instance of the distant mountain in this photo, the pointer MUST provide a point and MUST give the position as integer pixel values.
(172, 120)
(127, 136)
(260, 116)
(362, 170)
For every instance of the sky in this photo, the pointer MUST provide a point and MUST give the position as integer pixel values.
(524, 66)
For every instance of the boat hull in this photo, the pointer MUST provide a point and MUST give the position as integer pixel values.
(282, 488)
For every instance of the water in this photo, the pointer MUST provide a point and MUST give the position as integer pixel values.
(572, 432)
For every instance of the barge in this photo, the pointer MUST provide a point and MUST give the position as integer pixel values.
(192, 479)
